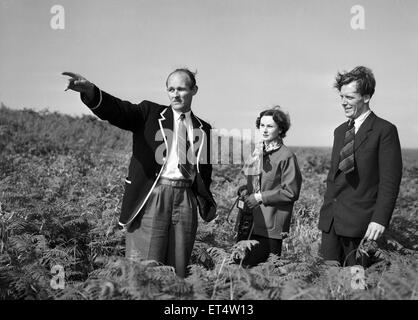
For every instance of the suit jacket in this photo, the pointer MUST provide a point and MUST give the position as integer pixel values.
(281, 181)
(368, 194)
(151, 125)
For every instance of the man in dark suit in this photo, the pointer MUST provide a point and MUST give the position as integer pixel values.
(365, 173)
(169, 173)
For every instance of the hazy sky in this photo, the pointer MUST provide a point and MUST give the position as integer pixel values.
(249, 54)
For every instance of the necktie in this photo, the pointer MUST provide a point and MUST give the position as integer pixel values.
(346, 164)
(183, 145)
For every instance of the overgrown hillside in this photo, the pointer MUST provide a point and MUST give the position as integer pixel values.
(61, 184)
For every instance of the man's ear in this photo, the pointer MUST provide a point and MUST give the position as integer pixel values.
(194, 90)
(367, 98)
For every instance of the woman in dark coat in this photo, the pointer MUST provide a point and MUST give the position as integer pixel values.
(273, 185)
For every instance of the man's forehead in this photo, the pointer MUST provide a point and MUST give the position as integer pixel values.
(349, 87)
(178, 78)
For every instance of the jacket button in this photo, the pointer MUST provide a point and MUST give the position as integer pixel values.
(335, 199)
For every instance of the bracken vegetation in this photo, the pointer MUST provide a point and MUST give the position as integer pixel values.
(61, 184)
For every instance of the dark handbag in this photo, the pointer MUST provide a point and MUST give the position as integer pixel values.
(244, 223)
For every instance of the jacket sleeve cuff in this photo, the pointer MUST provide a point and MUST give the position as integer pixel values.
(95, 102)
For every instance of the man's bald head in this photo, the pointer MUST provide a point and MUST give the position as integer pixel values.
(190, 75)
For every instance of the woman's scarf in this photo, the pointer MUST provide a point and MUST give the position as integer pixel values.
(254, 164)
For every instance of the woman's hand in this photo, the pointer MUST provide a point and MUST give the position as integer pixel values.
(242, 191)
(250, 201)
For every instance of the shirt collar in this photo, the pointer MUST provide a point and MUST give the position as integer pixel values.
(177, 115)
(360, 119)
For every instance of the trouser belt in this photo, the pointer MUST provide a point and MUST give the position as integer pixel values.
(179, 183)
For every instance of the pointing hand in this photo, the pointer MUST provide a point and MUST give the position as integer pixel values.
(79, 83)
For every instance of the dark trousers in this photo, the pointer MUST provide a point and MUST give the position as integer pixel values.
(340, 250)
(165, 229)
(261, 251)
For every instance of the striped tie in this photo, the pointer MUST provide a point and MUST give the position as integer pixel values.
(183, 146)
(346, 164)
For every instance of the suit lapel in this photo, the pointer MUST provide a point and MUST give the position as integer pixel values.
(363, 133)
(339, 144)
(195, 121)
(198, 137)
(166, 126)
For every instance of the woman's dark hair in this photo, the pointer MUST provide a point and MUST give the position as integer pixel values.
(363, 76)
(190, 74)
(279, 116)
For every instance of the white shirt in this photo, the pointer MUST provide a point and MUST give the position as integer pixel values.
(360, 119)
(171, 170)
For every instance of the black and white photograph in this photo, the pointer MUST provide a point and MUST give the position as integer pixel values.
(210, 156)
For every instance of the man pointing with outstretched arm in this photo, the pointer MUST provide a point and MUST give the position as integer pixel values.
(169, 174)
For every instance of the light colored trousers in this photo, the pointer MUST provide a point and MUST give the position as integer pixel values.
(165, 229)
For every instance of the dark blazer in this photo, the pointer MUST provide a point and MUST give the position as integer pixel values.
(369, 193)
(281, 181)
(152, 128)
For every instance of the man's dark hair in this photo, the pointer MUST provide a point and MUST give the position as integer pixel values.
(363, 76)
(190, 74)
(279, 116)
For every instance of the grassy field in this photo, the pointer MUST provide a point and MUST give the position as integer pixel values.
(61, 184)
